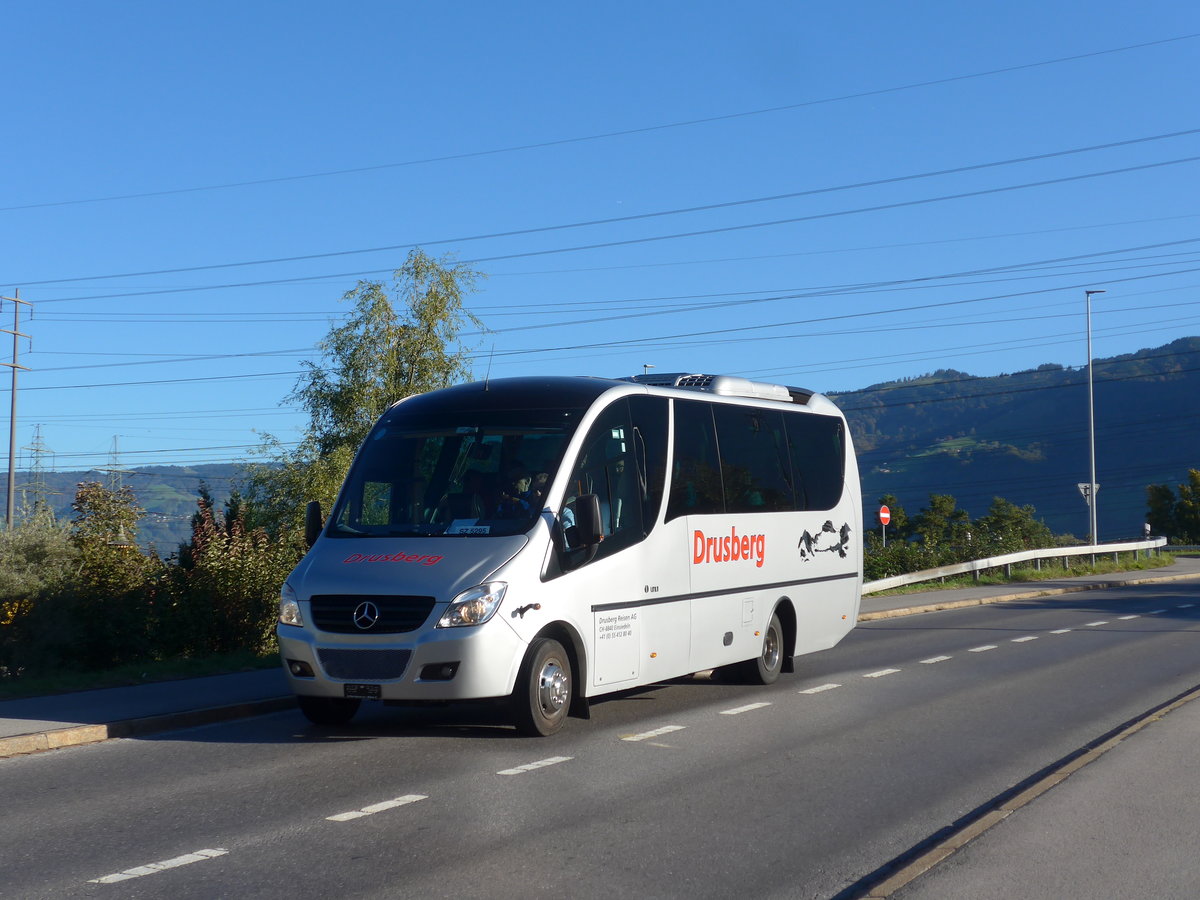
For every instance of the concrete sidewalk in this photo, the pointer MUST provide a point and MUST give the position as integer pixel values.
(1123, 825)
(62, 720)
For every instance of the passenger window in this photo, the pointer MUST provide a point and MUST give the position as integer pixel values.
(818, 452)
(695, 474)
(754, 459)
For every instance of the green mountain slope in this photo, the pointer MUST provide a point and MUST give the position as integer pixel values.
(1024, 437)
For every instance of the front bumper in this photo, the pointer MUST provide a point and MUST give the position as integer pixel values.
(488, 657)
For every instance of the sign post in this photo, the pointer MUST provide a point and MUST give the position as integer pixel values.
(885, 516)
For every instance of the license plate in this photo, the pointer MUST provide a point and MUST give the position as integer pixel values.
(362, 691)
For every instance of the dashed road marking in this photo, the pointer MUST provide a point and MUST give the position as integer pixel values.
(1127, 618)
(657, 732)
(1060, 631)
(153, 868)
(1156, 612)
(738, 710)
(935, 659)
(1022, 640)
(881, 673)
(820, 688)
(376, 808)
(1094, 624)
(984, 649)
(1185, 605)
(540, 764)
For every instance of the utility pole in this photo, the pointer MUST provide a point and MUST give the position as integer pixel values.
(1092, 486)
(10, 517)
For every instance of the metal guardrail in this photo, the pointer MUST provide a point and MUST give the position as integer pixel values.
(1007, 560)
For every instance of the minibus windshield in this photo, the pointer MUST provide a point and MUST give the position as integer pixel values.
(473, 473)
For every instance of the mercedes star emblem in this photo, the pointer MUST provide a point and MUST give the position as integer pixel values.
(366, 614)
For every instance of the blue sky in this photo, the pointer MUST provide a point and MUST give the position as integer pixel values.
(151, 149)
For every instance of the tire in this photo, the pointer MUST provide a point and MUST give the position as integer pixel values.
(541, 698)
(327, 710)
(765, 668)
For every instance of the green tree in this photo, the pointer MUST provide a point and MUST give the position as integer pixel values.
(1160, 509)
(1187, 509)
(1008, 528)
(942, 522)
(389, 347)
(1177, 517)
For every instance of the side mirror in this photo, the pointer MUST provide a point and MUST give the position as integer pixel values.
(312, 522)
(587, 520)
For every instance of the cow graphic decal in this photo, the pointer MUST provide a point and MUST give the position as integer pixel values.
(827, 540)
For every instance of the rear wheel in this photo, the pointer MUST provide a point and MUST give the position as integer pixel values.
(765, 668)
(541, 698)
(328, 710)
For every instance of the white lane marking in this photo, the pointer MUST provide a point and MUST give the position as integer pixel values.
(1185, 605)
(152, 868)
(881, 673)
(935, 659)
(1127, 618)
(646, 735)
(1094, 624)
(738, 710)
(376, 808)
(1156, 612)
(540, 764)
(820, 688)
(983, 649)
(1060, 630)
(1022, 640)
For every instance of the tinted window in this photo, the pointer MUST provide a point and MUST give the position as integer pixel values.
(754, 459)
(818, 459)
(696, 474)
(649, 415)
(613, 466)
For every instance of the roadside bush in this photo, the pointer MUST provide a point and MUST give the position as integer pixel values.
(36, 560)
(223, 596)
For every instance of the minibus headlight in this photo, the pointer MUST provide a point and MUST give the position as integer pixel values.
(289, 606)
(474, 607)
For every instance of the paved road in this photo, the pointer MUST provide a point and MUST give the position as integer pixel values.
(902, 747)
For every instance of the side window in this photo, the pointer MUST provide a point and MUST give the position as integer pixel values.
(754, 459)
(608, 467)
(695, 471)
(649, 416)
(818, 454)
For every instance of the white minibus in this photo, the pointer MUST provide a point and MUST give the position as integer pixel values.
(548, 540)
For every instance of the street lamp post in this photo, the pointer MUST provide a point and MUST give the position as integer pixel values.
(1087, 295)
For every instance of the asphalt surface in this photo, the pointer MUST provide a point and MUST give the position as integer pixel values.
(1111, 800)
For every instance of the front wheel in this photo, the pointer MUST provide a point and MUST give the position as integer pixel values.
(328, 710)
(541, 698)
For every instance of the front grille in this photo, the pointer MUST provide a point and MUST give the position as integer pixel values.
(363, 665)
(336, 613)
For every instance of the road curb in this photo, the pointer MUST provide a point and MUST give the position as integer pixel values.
(77, 735)
(1024, 595)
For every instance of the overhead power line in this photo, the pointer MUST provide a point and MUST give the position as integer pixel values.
(687, 123)
(543, 229)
